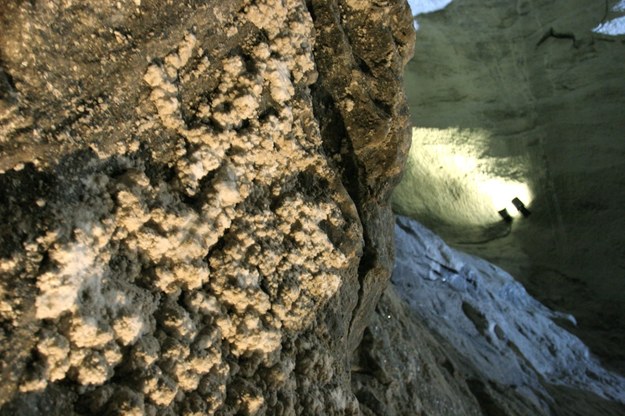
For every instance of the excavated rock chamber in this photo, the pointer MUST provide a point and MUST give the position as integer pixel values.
(522, 99)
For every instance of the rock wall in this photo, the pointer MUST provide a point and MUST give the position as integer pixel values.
(456, 335)
(194, 201)
(534, 100)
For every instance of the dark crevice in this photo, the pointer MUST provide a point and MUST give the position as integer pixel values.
(475, 316)
(334, 235)
(363, 66)
(7, 85)
(157, 173)
(405, 228)
(384, 106)
(449, 367)
(488, 405)
(218, 246)
(557, 35)
(335, 137)
(315, 185)
(266, 113)
(197, 200)
(336, 141)
(368, 400)
(250, 62)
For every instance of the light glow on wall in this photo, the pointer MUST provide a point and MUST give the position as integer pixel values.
(450, 179)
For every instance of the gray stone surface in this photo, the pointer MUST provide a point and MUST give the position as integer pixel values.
(456, 335)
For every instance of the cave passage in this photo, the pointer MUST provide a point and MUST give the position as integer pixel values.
(508, 123)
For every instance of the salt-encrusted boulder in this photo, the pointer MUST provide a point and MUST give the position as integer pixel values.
(193, 199)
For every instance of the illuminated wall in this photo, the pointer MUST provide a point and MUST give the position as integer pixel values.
(451, 181)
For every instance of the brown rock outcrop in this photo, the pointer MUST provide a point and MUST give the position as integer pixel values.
(194, 201)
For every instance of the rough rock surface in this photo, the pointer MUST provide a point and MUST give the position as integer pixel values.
(193, 201)
(531, 96)
(456, 335)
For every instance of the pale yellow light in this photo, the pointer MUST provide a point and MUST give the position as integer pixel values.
(450, 179)
(464, 164)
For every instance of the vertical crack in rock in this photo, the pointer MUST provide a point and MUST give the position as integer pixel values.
(182, 218)
(361, 51)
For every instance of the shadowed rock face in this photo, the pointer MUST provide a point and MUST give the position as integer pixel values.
(533, 97)
(193, 199)
(456, 335)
